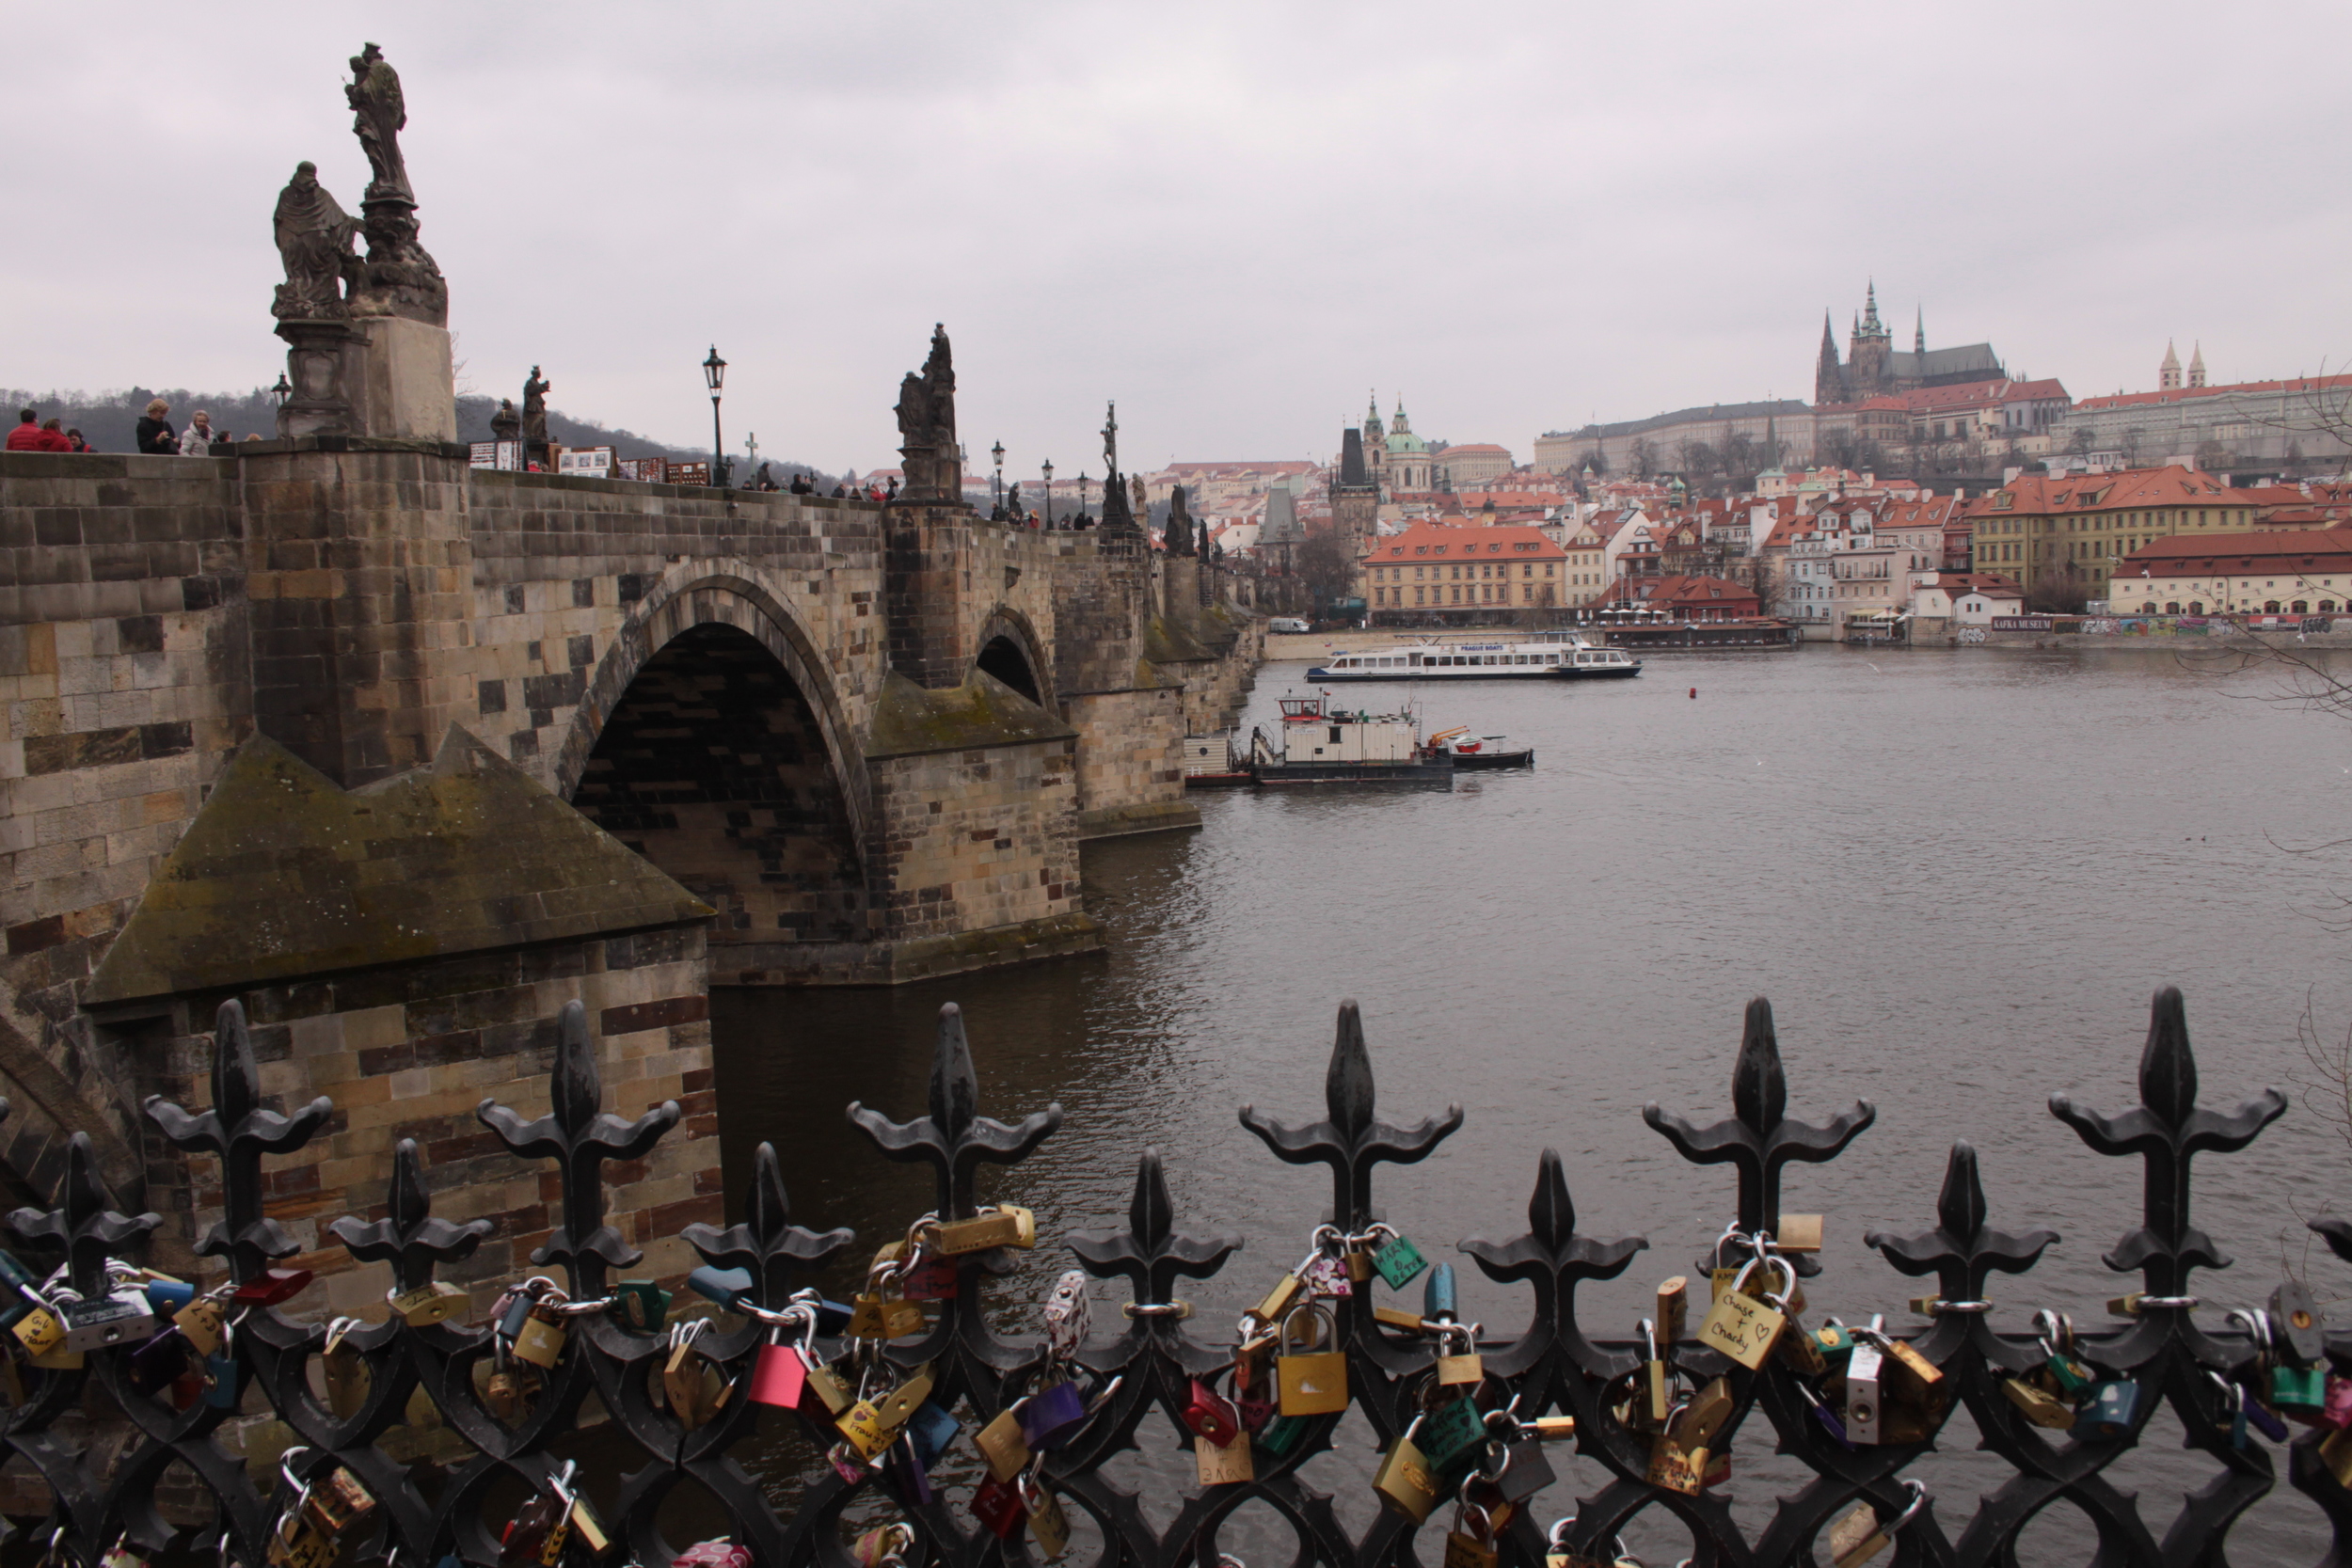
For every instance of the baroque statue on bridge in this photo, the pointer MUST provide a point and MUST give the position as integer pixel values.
(379, 116)
(401, 279)
(1179, 531)
(926, 427)
(314, 241)
(535, 415)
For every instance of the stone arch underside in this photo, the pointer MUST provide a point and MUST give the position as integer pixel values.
(1007, 648)
(717, 753)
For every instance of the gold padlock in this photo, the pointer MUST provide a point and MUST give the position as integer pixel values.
(1466, 1550)
(1695, 1425)
(898, 1406)
(1002, 1443)
(1674, 1296)
(540, 1341)
(40, 1332)
(1798, 1234)
(1048, 1526)
(336, 1502)
(1310, 1383)
(300, 1546)
(347, 1380)
(862, 1424)
(682, 1385)
(1676, 1468)
(2039, 1406)
(432, 1303)
(836, 1395)
(1223, 1466)
(1465, 1366)
(1855, 1538)
(1405, 1481)
(1743, 1326)
(1284, 1296)
(199, 1323)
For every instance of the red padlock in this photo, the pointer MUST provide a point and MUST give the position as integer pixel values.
(998, 1504)
(934, 1280)
(1212, 1416)
(781, 1376)
(270, 1287)
(2336, 1406)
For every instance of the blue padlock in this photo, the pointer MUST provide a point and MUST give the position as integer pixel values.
(1437, 1295)
(930, 1429)
(2108, 1408)
(908, 1475)
(724, 1285)
(166, 1296)
(220, 1380)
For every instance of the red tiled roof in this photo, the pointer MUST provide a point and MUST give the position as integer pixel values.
(2302, 383)
(2301, 549)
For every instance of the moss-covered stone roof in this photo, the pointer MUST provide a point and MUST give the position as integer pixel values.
(284, 874)
(909, 719)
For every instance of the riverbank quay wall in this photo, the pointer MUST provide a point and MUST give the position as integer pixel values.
(848, 742)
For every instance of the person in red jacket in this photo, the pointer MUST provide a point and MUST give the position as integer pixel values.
(53, 436)
(27, 435)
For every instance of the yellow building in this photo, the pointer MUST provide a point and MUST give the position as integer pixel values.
(1461, 574)
(2302, 572)
(2067, 534)
(1586, 567)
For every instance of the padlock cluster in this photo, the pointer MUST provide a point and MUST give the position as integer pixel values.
(181, 1344)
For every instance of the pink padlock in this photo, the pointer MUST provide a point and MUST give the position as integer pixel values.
(2336, 1409)
(713, 1554)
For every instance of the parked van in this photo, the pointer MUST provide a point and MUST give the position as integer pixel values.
(1286, 622)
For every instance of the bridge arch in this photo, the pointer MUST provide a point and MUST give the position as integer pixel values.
(1009, 649)
(713, 741)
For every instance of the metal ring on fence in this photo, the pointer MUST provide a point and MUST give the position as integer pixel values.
(2182, 1303)
(1179, 1310)
(1939, 1307)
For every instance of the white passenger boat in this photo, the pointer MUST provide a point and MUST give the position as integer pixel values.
(1569, 659)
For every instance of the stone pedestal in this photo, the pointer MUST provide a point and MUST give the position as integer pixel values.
(320, 366)
(403, 385)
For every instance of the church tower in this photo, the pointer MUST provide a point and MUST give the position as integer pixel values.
(2168, 373)
(2196, 366)
(1867, 367)
(1919, 334)
(1829, 377)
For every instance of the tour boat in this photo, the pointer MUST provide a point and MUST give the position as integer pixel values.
(1474, 751)
(1324, 745)
(1569, 659)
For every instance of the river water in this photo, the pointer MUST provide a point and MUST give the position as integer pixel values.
(1959, 875)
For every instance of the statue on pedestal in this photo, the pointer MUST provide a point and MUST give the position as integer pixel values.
(313, 235)
(1179, 532)
(401, 279)
(926, 427)
(535, 416)
(507, 425)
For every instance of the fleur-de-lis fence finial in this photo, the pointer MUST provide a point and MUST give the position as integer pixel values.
(240, 1131)
(1351, 1138)
(81, 1224)
(1151, 1253)
(408, 1237)
(955, 1139)
(2166, 1130)
(580, 1137)
(1553, 1258)
(767, 1243)
(1761, 1137)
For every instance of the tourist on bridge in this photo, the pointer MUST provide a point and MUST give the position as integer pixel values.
(74, 439)
(154, 431)
(28, 436)
(197, 441)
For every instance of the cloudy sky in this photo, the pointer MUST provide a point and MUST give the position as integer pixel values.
(1236, 219)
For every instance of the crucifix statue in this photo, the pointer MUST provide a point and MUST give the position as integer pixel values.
(1110, 437)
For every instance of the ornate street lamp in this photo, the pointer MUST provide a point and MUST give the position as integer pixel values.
(715, 374)
(998, 450)
(1049, 493)
(283, 390)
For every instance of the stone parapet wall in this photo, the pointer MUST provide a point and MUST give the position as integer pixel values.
(410, 1051)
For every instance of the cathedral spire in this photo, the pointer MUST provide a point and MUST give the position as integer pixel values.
(2196, 366)
(2168, 373)
(1919, 334)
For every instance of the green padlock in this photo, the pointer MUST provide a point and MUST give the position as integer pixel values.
(641, 1304)
(1452, 1438)
(1281, 1434)
(2298, 1387)
(1399, 1262)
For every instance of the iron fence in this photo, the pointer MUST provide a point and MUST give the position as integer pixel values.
(1160, 1374)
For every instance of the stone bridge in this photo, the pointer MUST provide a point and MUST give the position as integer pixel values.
(404, 753)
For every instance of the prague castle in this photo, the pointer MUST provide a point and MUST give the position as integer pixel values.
(1872, 368)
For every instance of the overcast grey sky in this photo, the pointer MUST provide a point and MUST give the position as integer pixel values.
(1236, 219)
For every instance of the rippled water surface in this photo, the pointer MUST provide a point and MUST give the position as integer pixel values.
(1957, 877)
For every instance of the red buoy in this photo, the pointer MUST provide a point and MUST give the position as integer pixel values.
(1694, 692)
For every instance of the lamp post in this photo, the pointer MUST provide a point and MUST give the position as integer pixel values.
(1082, 496)
(1049, 493)
(283, 390)
(998, 452)
(715, 374)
